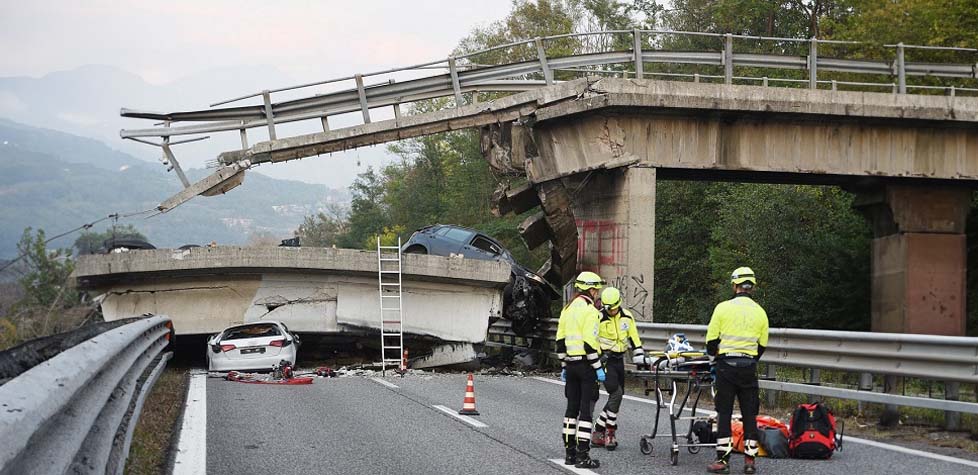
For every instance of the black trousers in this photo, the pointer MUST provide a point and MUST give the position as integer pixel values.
(614, 383)
(581, 392)
(737, 378)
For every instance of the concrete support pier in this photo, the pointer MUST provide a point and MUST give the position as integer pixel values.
(919, 258)
(615, 211)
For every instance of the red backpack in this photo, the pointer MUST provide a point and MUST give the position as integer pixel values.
(813, 432)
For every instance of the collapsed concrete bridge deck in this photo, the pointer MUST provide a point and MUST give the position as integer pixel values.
(312, 290)
(912, 160)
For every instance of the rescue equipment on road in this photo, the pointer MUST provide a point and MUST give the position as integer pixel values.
(468, 404)
(813, 432)
(282, 373)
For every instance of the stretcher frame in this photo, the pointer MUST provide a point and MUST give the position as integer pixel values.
(697, 378)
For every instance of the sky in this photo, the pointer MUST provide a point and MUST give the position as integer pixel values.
(306, 40)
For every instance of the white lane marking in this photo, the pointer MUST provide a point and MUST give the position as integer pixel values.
(455, 414)
(572, 468)
(385, 383)
(191, 456)
(872, 443)
(918, 453)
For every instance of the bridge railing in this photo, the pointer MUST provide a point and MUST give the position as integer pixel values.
(948, 359)
(76, 411)
(536, 62)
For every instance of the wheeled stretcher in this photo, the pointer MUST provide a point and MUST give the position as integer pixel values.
(667, 371)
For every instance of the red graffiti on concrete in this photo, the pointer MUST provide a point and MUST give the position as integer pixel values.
(600, 242)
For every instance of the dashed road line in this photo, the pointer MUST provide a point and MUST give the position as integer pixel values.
(191, 458)
(385, 383)
(572, 468)
(465, 419)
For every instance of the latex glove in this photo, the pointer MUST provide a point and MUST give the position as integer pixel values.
(639, 359)
(563, 375)
(601, 375)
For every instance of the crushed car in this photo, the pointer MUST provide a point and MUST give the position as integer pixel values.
(252, 346)
(527, 297)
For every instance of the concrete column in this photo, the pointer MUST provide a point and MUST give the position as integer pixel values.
(919, 258)
(919, 264)
(615, 212)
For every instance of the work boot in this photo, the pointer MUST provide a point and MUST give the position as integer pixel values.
(749, 467)
(584, 460)
(718, 466)
(570, 456)
(611, 443)
(599, 438)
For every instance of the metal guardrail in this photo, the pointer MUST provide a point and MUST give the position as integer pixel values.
(939, 358)
(463, 74)
(76, 411)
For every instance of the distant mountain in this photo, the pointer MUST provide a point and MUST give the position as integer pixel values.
(56, 181)
(86, 101)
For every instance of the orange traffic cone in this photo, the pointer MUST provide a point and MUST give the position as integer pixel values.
(468, 404)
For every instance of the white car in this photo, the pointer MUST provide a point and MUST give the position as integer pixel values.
(252, 346)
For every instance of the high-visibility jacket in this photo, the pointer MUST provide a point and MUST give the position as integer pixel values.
(577, 332)
(738, 326)
(618, 333)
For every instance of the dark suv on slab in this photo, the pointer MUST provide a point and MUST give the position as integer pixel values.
(527, 297)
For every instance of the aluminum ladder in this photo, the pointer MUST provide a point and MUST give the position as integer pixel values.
(391, 306)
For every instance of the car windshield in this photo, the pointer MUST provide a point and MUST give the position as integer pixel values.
(251, 331)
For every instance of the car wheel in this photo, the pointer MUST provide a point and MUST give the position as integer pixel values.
(416, 249)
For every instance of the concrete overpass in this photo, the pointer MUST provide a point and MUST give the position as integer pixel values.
(312, 290)
(911, 159)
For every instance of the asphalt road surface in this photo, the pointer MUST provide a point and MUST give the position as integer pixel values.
(355, 425)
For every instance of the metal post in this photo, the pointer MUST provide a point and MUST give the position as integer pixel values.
(835, 86)
(771, 373)
(952, 91)
(865, 384)
(363, 99)
(244, 136)
(728, 59)
(548, 75)
(455, 85)
(268, 114)
(813, 64)
(764, 81)
(174, 162)
(325, 120)
(637, 49)
(696, 77)
(952, 392)
(815, 379)
(901, 70)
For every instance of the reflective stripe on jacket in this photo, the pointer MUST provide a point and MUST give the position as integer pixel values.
(740, 324)
(577, 331)
(618, 333)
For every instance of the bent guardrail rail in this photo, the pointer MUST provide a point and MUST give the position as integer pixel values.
(76, 410)
(948, 359)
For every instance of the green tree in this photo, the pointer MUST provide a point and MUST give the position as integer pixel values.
(45, 283)
(90, 242)
(368, 215)
(810, 250)
(49, 304)
(323, 229)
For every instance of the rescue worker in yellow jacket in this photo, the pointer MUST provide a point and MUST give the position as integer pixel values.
(579, 352)
(616, 334)
(735, 340)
